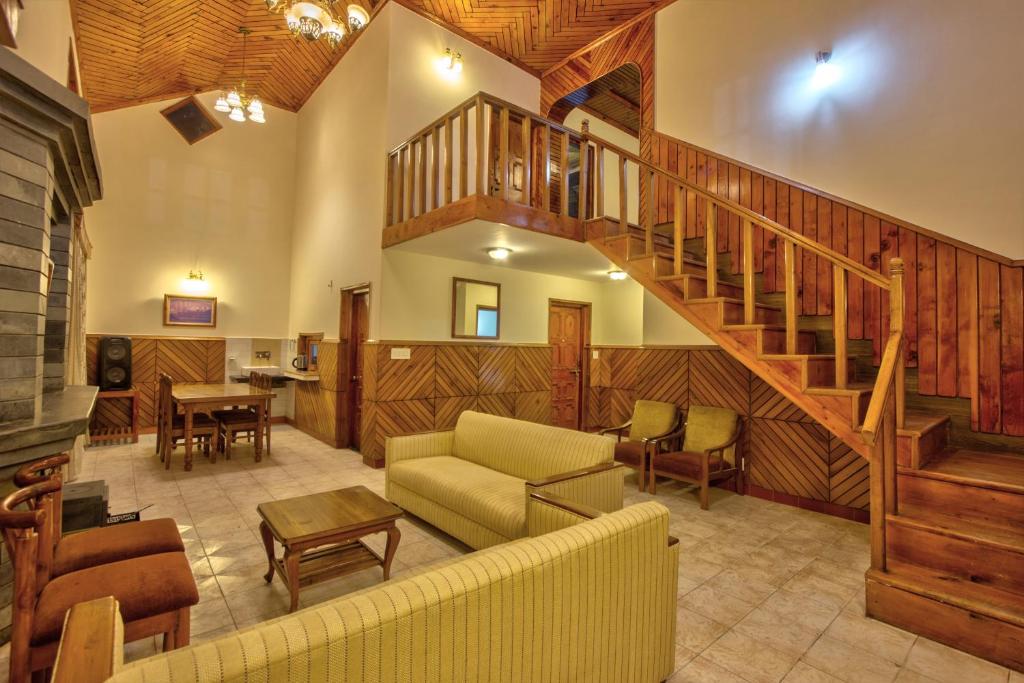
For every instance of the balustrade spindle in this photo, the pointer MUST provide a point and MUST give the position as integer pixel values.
(563, 175)
(623, 196)
(448, 160)
(789, 262)
(464, 153)
(896, 314)
(422, 178)
(547, 166)
(599, 182)
(581, 207)
(435, 169)
(481, 159)
(749, 298)
(389, 206)
(839, 313)
(649, 215)
(410, 185)
(677, 230)
(527, 175)
(503, 153)
(711, 250)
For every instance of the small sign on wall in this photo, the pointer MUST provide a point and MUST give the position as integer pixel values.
(597, 354)
(401, 353)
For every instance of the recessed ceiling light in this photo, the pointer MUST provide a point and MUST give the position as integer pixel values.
(617, 275)
(499, 253)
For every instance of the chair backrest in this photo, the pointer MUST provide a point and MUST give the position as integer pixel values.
(164, 415)
(28, 534)
(653, 418)
(37, 472)
(709, 427)
(262, 381)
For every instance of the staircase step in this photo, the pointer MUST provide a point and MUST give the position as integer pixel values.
(927, 435)
(857, 393)
(733, 310)
(773, 337)
(815, 370)
(971, 500)
(1002, 470)
(969, 550)
(980, 619)
(695, 286)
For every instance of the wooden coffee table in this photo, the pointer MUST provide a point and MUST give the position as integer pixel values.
(321, 536)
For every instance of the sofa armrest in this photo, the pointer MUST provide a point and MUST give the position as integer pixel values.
(426, 445)
(546, 513)
(598, 486)
(91, 645)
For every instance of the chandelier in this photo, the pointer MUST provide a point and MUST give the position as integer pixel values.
(314, 19)
(237, 103)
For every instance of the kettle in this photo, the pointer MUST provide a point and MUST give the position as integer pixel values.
(300, 362)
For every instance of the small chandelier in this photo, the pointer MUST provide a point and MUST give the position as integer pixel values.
(314, 19)
(237, 103)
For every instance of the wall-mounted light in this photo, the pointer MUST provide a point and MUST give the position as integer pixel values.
(499, 253)
(452, 60)
(617, 275)
(825, 73)
(195, 283)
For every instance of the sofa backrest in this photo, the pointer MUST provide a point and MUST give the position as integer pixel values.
(592, 602)
(525, 449)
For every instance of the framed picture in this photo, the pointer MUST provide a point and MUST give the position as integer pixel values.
(190, 311)
(191, 119)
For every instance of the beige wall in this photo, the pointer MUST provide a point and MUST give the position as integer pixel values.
(418, 289)
(663, 326)
(924, 122)
(223, 204)
(44, 36)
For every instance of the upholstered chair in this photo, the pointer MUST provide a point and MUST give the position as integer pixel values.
(710, 451)
(651, 423)
(232, 423)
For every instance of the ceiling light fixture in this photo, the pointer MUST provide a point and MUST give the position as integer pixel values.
(236, 103)
(499, 253)
(825, 73)
(617, 275)
(315, 19)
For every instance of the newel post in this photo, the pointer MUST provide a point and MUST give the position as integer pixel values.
(582, 179)
(896, 314)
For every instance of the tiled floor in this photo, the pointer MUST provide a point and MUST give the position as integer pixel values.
(766, 592)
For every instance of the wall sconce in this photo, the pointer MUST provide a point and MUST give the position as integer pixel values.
(452, 60)
(825, 73)
(195, 283)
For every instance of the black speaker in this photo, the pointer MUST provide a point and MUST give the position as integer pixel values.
(115, 363)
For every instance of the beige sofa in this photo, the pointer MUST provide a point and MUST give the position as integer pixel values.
(473, 482)
(592, 600)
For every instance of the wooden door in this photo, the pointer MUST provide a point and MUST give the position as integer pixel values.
(359, 322)
(565, 334)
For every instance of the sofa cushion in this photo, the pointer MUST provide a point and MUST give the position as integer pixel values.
(115, 543)
(144, 587)
(524, 449)
(491, 498)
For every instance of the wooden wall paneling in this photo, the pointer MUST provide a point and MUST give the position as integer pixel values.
(316, 410)
(370, 443)
(855, 285)
(989, 348)
(457, 369)
(766, 402)
(791, 457)
(144, 361)
(967, 323)
(111, 412)
(371, 352)
(622, 367)
(664, 375)
(148, 395)
(600, 371)
(848, 476)
(497, 370)
(908, 252)
(448, 408)
(872, 295)
(888, 247)
(946, 320)
(824, 274)
(395, 418)
(771, 247)
(533, 368)
(716, 379)
(327, 364)
(1011, 327)
(782, 218)
(597, 409)
(757, 205)
(809, 277)
(619, 405)
(399, 380)
(216, 357)
(927, 354)
(796, 224)
(184, 360)
(503, 405)
(533, 406)
(701, 206)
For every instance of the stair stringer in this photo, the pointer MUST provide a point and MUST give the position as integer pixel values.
(708, 318)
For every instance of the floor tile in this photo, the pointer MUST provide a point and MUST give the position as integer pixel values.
(849, 663)
(952, 666)
(750, 659)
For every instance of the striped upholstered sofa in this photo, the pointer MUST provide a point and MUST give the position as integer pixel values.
(473, 482)
(590, 601)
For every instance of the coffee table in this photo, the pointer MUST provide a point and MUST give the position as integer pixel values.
(321, 536)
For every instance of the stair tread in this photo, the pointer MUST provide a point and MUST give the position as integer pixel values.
(1009, 537)
(851, 388)
(1005, 470)
(768, 327)
(943, 587)
(919, 423)
(801, 356)
(730, 300)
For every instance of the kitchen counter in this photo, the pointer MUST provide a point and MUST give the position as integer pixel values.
(303, 375)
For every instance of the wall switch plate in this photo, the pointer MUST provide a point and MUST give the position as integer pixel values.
(401, 353)
(597, 354)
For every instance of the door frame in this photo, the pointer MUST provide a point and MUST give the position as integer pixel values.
(345, 352)
(586, 311)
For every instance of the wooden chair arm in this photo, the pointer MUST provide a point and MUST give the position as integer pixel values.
(565, 504)
(90, 645)
(29, 473)
(731, 442)
(574, 474)
(617, 430)
(668, 436)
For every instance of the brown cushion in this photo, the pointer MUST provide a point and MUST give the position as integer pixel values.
(198, 420)
(630, 453)
(238, 419)
(115, 543)
(684, 464)
(222, 415)
(144, 586)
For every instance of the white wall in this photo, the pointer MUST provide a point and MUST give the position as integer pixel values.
(223, 204)
(924, 122)
(663, 326)
(45, 34)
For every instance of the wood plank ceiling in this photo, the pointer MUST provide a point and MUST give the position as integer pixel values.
(135, 51)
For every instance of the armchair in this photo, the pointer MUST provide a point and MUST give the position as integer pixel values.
(709, 453)
(652, 423)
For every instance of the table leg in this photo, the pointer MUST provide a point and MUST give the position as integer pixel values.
(394, 536)
(268, 543)
(188, 437)
(291, 569)
(261, 413)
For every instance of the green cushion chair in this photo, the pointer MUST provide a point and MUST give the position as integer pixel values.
(651, 423)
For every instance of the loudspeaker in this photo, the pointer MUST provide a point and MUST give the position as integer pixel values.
(115, 363)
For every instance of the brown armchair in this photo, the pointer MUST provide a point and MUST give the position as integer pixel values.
(651, 424)
(710, 451)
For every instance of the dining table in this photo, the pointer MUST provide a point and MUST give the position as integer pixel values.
(207, 397)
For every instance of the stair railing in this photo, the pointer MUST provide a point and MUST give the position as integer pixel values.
(488, 147)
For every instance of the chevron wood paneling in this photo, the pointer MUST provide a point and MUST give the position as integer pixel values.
(503, 405)
(497, 370)
(184, 360)
(316, 410)
(600, 374)
(622, 367)
(370, 354)
(766, 402)
(533, 368)
(848, 476)
(456, 370)
(131, 52)
(447, 410)
(791, 457)
(147, 403)
(216, 357)
(534, 406)
(370, 445)
(144, 361)
(597, 409)
(111, 412)
(664, 375)
(619, 405)
(716, 379)
(327, 364)
(402, 380)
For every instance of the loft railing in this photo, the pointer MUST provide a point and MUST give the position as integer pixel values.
(489, 147)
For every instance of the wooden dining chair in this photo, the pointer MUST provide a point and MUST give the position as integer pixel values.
(100, 545)
(172, 425)
(155, 592)
(235, 422)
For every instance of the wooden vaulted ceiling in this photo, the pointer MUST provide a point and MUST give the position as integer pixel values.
(135, 51)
